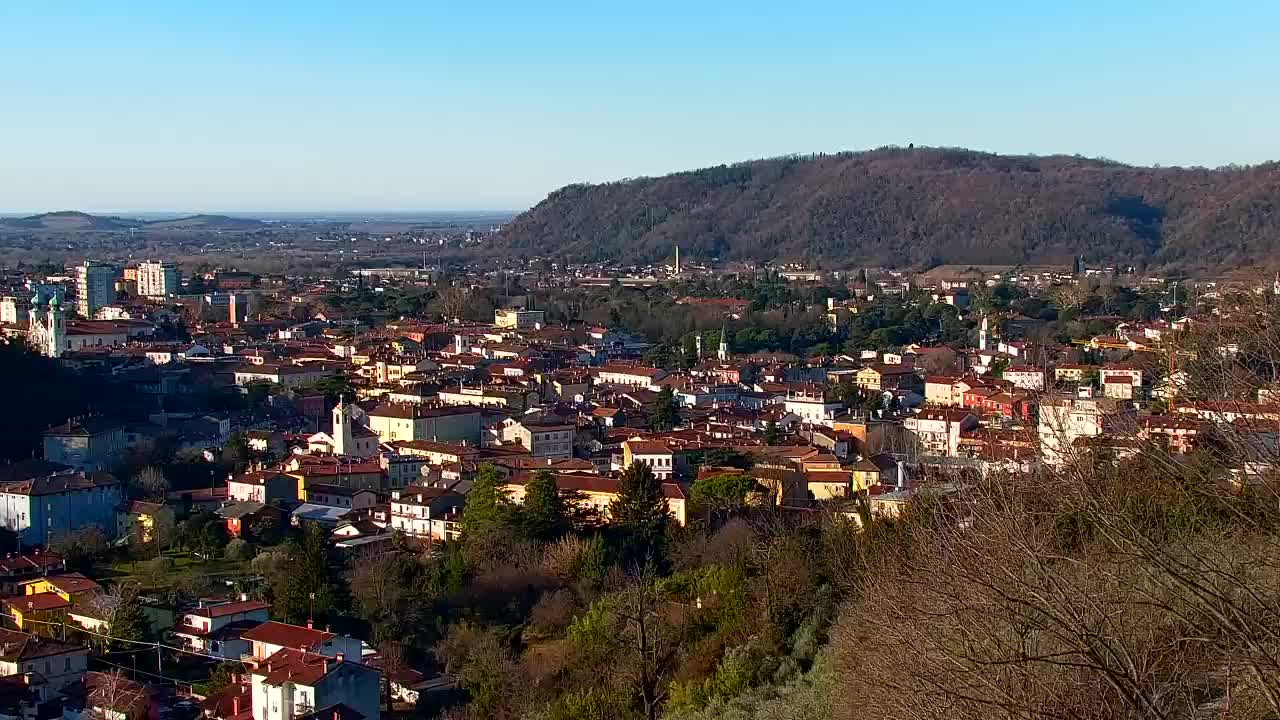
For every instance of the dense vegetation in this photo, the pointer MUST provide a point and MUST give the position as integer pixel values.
(919, 207)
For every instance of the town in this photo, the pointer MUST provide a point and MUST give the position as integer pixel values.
(221, 529)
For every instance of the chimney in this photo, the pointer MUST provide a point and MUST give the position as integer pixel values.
(310, 626)
(235, 705)
(341, 657)
(337, 715)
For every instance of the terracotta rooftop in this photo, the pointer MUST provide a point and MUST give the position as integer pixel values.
(288, 636)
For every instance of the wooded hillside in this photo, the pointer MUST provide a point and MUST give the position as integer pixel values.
(919, 207)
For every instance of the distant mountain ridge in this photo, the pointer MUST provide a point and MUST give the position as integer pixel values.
(918, 207)
(76, 221)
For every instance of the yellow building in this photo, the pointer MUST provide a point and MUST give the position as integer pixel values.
(48, 600)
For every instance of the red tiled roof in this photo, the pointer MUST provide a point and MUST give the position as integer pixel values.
(288, 636)
(37, 602)
(72, 583)
(295, 666)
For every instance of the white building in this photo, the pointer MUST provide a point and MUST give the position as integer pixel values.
(543, 439)
(938, 431)
(216, 629)
(519, 319)
(158, 279)
(58, 664)
(1064, 419)
(292, 684)
(1025, 378)
(434, 513)
(813, 408)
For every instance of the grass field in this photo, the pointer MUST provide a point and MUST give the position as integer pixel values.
(186, 569)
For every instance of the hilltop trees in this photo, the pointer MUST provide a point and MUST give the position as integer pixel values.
(885, 207)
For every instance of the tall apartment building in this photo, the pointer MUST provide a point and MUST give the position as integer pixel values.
(95, 287)
(157, 279)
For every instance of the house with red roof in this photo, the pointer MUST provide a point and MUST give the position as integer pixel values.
(290, 684)
(271, 637)
(218, 628)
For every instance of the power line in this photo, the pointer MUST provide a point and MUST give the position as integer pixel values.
(148, 644)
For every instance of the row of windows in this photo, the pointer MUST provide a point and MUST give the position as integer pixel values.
(658, 462)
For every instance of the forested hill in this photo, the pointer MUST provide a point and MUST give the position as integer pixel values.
(919, 207)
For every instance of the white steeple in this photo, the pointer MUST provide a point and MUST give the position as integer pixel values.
(982, 334)
(677, 258)
(723, 352)
(55, 329)
(343, 439)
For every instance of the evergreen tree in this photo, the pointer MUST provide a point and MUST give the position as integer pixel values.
(545, 515)
(486, 508)
(771, 434)
(665, 413)
(641, 517)
(308, 586)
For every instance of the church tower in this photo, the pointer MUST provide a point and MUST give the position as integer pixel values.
(56, 330)
(982, 334)
(723, 352)
(343, 440)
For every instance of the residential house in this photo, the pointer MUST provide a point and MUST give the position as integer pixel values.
(544, 438)
(938, 390)
(216, 629)
(661, 458)
(271, 637)
(241, 516)
(878, 469)
(1066, 418)
(1025, 378)
(90, 444)
(262, 486)
(880, 377)
(812, 407)
(938, 431)
(57, 664)
(292, 684)
(340, 496)
(49, 600)
(144, 520)
(434, 513)
(43, 508)
(17, 569)
(1071, 372)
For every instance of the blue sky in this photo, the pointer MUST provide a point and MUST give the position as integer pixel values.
(419, 105)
